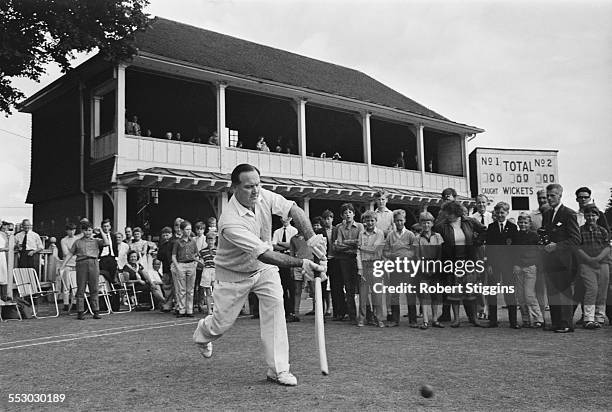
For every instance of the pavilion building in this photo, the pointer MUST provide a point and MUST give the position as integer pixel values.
(92, 157)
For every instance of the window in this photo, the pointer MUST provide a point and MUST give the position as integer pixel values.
(520, 203)
(233, 138)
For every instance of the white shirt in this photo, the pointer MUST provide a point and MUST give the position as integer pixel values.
(488, 217)
(556, 209)
(245, 234)
(66, 244)
(33, 241)
(107, 250)
(384, 220)
(122, 249)
(277, 237)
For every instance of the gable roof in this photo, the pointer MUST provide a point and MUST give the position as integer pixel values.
(206, 48)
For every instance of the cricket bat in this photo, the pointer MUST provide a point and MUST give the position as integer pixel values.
(319, 328)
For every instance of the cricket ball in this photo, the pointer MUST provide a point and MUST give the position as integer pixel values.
(426, 391)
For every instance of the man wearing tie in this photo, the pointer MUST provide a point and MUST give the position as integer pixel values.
(29, 244)
(280, 243)
(108, 254)
(561, 226)
(501, 235)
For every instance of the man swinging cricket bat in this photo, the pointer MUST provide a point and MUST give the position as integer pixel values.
(245, 262)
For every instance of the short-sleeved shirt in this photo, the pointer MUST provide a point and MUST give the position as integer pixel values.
(348, 232)
(84, 248)
(33, 240)
(245, 234)
(185, 250)
(208, 256)
(594, 240)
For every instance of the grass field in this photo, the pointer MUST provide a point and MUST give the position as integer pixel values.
(146, 361)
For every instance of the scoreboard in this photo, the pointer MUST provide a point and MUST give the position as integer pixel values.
(512, 175)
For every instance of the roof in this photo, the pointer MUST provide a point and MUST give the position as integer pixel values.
(206, 48)
(209, 181)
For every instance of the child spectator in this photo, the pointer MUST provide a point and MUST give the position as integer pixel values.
(87, 251)
(207, 256)
(370, 245)
(399, 245)
(429, 248)
(184, 253)
(593, 253)
(211, 225)
(200, 240)
(527, 255)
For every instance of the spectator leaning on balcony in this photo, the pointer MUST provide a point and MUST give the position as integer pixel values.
(29, 244)
(262, 145)
(132, 127)
(213, 139)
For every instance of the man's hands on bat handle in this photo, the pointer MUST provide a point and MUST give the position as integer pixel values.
(311, 269)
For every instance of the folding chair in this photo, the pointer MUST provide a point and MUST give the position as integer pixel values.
(28, 285)
(129, 285)
(8, 304)
(103, 292)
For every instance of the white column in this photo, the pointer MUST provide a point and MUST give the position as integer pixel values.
(120, 103)
(465, 163)
(301, 124)
(367, 143)
(421, 152)
(95, 115)
(120, 208)
(306, 207)
(221, 129)
(222, 203)
(98, 209)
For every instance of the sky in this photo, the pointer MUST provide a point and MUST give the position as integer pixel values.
(534, 75)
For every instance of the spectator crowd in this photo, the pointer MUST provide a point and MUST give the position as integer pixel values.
(552, 259)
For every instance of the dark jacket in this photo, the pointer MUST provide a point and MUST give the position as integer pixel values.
(563, 231)
(470, 228)
(499, 244)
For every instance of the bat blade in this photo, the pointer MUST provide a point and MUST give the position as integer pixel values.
(319, 328)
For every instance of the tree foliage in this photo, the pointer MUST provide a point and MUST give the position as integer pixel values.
(34, 33)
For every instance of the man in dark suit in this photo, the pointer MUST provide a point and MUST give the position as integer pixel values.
(108, 254)
(500, 237)
(561, 227)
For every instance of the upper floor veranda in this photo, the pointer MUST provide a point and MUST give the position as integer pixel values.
(179, 107)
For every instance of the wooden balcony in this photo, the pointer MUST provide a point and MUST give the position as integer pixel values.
(139, 153)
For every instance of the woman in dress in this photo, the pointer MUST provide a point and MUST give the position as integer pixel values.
(136, 273)
(458, 232)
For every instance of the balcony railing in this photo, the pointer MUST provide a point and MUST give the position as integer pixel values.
(104, 145)
(137, 152)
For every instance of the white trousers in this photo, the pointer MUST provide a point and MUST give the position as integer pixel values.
(230, 297)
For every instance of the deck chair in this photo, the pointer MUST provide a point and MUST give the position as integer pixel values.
(104, 292)
(29, 286)
(4, 304)
(129, 285)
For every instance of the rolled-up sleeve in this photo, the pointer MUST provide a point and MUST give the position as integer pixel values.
(245, 240)
(278, 204)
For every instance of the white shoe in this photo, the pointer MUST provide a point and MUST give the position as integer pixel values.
(205, 349)
(285, 378)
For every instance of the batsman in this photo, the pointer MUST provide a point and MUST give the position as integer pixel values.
(245, 262)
